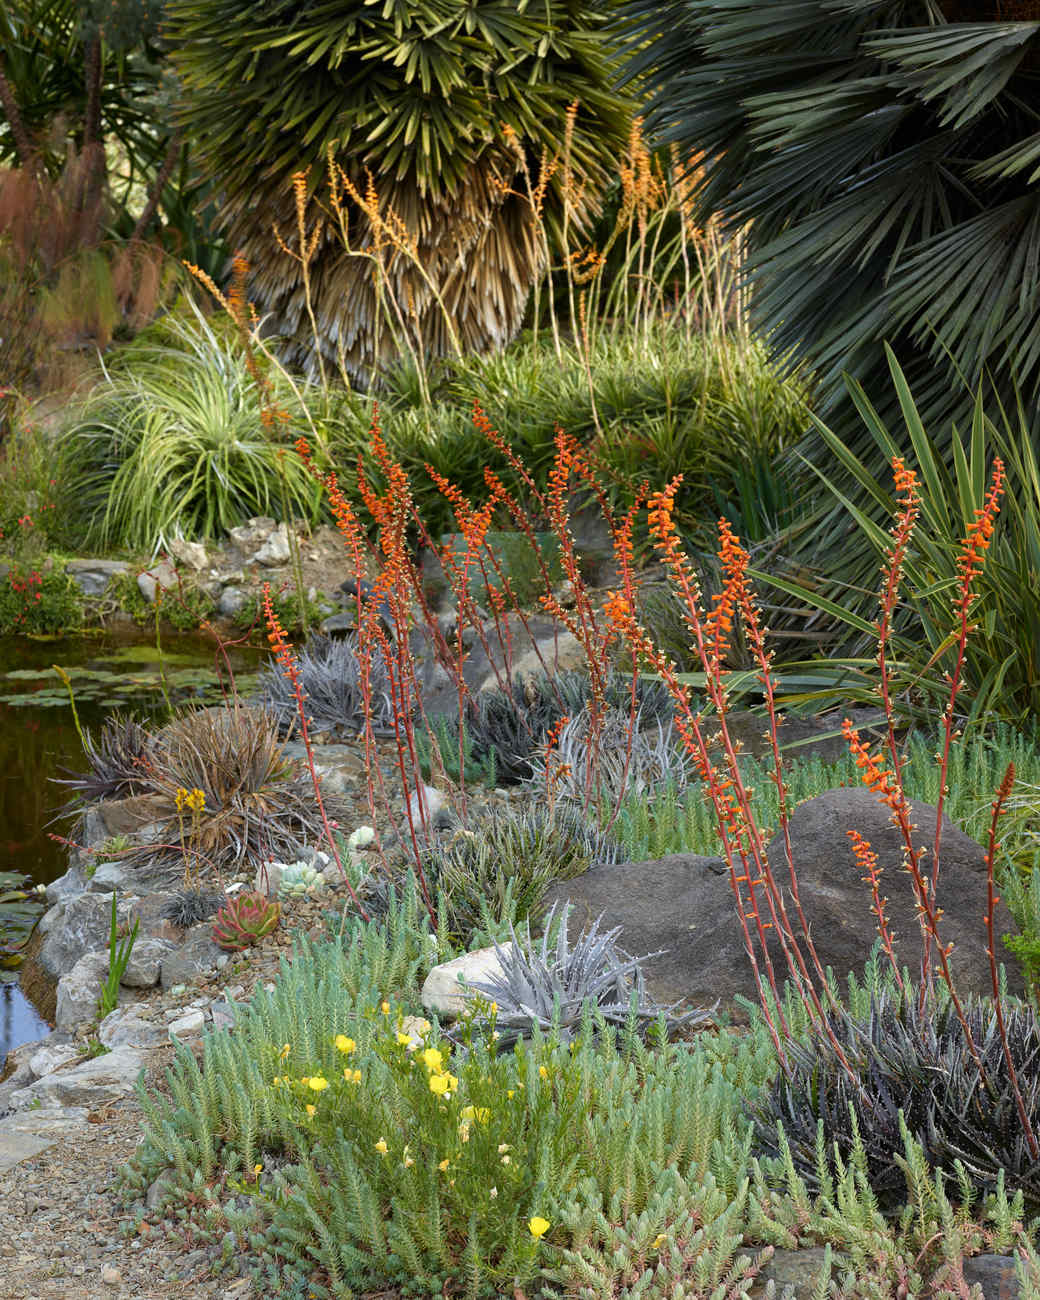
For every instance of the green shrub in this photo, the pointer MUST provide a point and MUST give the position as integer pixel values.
(39, 602)
(184, 607)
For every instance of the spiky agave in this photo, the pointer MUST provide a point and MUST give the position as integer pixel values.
(552, 985)
(332, 681)
(915, 1063)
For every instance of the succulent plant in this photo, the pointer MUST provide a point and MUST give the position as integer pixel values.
(917, 1064)
(190, 906)
(118, 762)
(549, 983)
(499, 873)
(243, 920)
(631, 754)
(512, 725)
(330, 677)
(298, 879)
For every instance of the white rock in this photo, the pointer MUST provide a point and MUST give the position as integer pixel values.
(97, 1081)
(187, 1026)
(162, 575)
(269, 878)
(193, 554)
(79, 992)
(436, 806)
(445, 992)
(125, 1027)
(275, 551)
(45, 1060)
(416, 1028)
(107, 876)
(145, 964)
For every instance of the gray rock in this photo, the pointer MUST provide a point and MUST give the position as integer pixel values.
(269, 878)
(191, 554)
(126, 1027)
(99, 1080)
(275, 550)
(230, 601)
(995, 1274)
(93, 576)
(66, 887)
(145, 964)
(562, 654)
(197, 955)
(684, 903)
(79, 991)
(444, 990)
(158, 1191)
(92, 831)
(794, 1273)
(338, 624)
(82, 926)
(190, 1025)
(24, 1136)
(162, 575)
(224, 1015)
(107, 876)
(50, 1057)
(50, 919)
(251, 535)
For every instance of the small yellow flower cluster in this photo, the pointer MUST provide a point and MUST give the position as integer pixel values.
(194, 800)
(442, 1082)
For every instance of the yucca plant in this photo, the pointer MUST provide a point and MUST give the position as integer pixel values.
(436, 112)
(1001, 669)
(882, 154)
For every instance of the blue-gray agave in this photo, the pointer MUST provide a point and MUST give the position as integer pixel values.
(547, 983)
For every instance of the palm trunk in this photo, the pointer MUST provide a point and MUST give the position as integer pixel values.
(155, 197)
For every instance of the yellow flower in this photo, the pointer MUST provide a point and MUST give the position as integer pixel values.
(284, 1052)
(433, 1060)
(543, 1072)
(317, 1084)
(480, 1113)
(344, 1044)
(408, 1162)
(311, 1110)
(510, 1094)
(423, 1027)
(352, 1076)
(439, 1084)
(538, 1226)
(443, 1165)
(385, 1008)
(658, 1240)
(256, 1170)
(381, 1146)
(464, 1132)
(403, 1039)
(276, 1080)
(452, 1081)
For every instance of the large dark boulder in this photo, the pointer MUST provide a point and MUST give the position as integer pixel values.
(685, 904)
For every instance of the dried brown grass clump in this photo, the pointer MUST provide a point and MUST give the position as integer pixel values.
(255, 805)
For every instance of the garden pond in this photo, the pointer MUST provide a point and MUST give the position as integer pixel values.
(39, 743)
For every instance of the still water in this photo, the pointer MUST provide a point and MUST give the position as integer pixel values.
(39, 742)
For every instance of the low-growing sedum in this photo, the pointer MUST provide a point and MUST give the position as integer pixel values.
(298, 879)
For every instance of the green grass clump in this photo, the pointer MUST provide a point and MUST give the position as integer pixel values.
(178, 438)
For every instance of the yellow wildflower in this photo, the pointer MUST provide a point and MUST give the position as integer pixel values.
(543, 1072)
(439, 1084)
(480, 1113)
(256, 1170)
(443, 1165)
(659, 1240)
(352, 1076)
(317, 1084)
(284, 1052)
(433, 1060)
(385, 1008)
(510, 1094)
(403, 1039)
(344, 1044)
(381, 1146)
(408, 1162)
(276, 1080)
(538, 1226)
(311, 1110)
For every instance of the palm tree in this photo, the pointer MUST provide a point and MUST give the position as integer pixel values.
(437, 113)
(886, 155)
